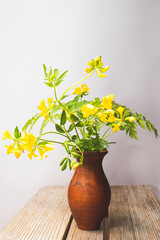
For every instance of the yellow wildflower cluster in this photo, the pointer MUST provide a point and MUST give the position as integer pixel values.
(107, 114)
(27, 142)
(44, 109)
(83, 89)
(97, 64)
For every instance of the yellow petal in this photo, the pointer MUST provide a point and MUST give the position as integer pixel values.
(107, 101)
(100, 74)
(131, 119)
(75, 166)
(103, 117)
(31, 154)
(10, 148)
(49, 100)
(104, 69)
(46, 116)
(90, 63)
(111, 118)
(7, 135)
(98, 58)
(42, 106)
(120, 110)
(78, 91)
(17, 153)
(48, 147)
(88, 70)
(42, 156)
(84, 87)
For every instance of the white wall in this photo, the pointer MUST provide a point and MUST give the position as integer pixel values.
(66, 35)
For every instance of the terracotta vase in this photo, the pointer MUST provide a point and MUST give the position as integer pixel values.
(89, 192)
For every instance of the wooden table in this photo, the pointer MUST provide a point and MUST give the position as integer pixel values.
(134, 214)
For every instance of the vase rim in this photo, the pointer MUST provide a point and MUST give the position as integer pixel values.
(94, 152)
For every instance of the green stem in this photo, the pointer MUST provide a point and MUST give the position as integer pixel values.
(106, 132)
(54, 133)
(77, 83)
(51, 141)
(109, 135)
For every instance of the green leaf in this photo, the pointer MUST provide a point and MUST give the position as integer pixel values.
(63, 117)
(44, 123)
(141, 123)
(58, 82)
(66, 147)
(69, 161)
(31, 122)
(80, 124)
(63, 75)
(74, 118)
(50, 71)
(74, 137)
(64, 166)
(97, 124)
(59, 128)
(64, 159)
(71, 127)
(76, 99)
(45, 70)
(49, 84)
(17, 133)
(64, 97)
(79, 114)
(56, 73)
(148, 125)
(42, 143)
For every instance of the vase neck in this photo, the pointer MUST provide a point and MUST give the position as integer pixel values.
(93, 159)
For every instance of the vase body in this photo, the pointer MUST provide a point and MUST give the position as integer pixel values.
(89, 192)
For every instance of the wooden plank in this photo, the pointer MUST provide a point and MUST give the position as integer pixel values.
(77, 234)
(44, 217)
(134, 213)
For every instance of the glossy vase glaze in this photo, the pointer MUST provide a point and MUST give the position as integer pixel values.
(89, 192)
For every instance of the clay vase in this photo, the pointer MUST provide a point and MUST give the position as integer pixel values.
(89, 192)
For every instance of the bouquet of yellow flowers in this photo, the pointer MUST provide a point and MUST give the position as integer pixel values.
(78, 121)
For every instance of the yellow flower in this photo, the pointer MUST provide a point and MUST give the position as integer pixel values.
(97, 64)
(78, 91)
(131, 119)
(103, 117)
(7, 135)
(10, 148)
(42, 153)
(88, 110)
(48, 147)
(107, 101)
(32, 154)
(43, 149)
(74, 164)
(111, 117)
(84, 87)
(44, 109)
(17, 149)
(116, 127)
(29, 140)
(120, 110)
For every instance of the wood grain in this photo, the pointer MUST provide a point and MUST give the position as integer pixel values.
(77, 234)
(134, 214)
(44, 217)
